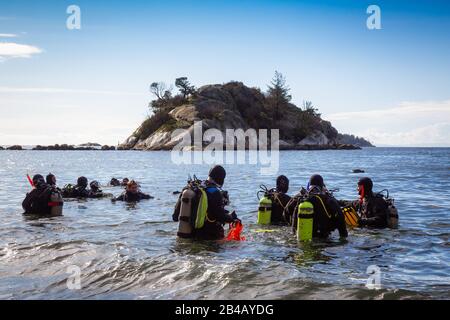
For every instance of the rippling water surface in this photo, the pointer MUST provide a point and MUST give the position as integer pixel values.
(131, 252)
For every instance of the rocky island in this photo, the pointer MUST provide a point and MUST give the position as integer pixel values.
(234, 105)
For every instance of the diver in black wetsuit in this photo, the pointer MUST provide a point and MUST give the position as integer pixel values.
(328, 215)
(42, 199)
(132, 193)
(216, 215)
(96, 191)
(373, 209)
(280, 199)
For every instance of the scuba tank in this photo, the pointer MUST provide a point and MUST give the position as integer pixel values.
(392, 212)
(56, 203)
(392, 215)
(188, 208)
(265, 207)
(184, 224)
(305, 221)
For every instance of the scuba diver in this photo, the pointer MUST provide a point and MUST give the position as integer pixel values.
(292, 206)
(200, 209)
(374, 210)
(96, 191)
(114, 182)
(51, 180)
(132, 193)
(79, 191)
(281, 199)
(272, 205)
(325, 212)
(44, 199)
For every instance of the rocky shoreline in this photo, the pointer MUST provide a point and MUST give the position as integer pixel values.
(112, 148)
(62, 147)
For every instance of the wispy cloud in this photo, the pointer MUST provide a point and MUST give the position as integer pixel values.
(64, 90)
(9, 50)
(404, 109)
(408, 124)
(8, 35)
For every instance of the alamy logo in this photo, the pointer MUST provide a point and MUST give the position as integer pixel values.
(374, 20)
(374, 280)
(74, 279)
(73, 22)
(229, 147)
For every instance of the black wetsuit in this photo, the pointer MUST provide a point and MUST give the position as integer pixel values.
(279, 202)
(216, 217)
(327, 217)
(132, 197)
(37, 201)
(373, 211)
(77, 192)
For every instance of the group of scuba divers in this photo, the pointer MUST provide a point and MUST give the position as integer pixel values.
(46, 199)
(312, 213)
(201, 214)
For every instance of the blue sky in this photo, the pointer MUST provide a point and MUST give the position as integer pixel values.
(72, 86)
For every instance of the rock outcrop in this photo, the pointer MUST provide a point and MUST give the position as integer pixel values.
(16, 147)
(235, 106)
(66, 147)
(351, 139)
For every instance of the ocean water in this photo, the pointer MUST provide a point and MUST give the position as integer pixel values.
(131, 251)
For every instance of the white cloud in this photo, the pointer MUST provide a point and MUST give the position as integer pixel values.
(8, 35)
(15, 50)
(409, 124)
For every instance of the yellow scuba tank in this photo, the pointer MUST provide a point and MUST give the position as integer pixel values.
(305, 221)
(351, 217)
(265, 211)
(56, 203)
(184, 224)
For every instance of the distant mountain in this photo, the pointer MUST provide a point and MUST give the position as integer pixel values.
(354, 140)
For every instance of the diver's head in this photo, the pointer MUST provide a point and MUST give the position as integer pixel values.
(282, 184)
(132, 187)
(51, 179)
(316, 180)
(38, 180)
(95, 186)
(82, 182)
(217, 174)
(114, 182)
(125, 182)
(365, 186)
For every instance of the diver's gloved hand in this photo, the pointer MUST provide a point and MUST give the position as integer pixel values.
(362, 222)
(235, 218)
